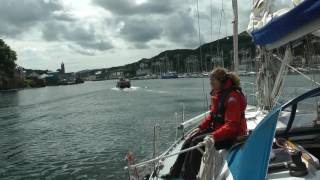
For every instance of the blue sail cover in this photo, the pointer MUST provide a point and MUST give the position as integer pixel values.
(279, 27)
(251, 160)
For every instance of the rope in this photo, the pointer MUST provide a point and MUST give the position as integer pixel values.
(163, 157)
(212, 161)
(208, 160)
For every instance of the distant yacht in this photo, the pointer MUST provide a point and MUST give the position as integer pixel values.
(169, 75)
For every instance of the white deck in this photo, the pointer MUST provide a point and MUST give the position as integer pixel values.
(168, 162)
(254, 116)
(286, 176)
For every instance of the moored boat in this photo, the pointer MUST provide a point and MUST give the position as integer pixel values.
(169, 75)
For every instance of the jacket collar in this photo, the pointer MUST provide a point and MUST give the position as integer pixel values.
(228, 84)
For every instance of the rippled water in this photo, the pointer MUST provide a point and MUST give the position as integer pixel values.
(84, 131)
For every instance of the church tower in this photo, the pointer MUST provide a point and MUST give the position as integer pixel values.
(62, 68)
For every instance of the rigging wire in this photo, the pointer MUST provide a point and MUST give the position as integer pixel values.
(281, 88)
(211, 20)
(226, 26)
(299, 72)
(309, 51)
(219, 32)
(205, 103)
(220, 21)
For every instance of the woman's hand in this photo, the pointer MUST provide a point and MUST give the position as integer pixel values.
(194, 132)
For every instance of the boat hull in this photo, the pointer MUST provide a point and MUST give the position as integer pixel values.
(123, 84)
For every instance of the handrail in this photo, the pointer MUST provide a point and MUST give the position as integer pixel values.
(192, 120)
(312, 93)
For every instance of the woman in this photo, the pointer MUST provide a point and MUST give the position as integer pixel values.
(225, 123)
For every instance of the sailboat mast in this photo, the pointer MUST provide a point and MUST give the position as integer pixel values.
(235, 35)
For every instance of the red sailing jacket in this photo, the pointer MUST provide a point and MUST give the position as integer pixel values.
(235, 122)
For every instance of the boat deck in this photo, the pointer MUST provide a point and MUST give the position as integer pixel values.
(168, 162)
(254, 116)
(284, 175)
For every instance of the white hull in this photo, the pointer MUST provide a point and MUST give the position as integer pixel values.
(254, 116)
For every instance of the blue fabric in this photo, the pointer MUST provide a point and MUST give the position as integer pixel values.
(251, 160)
(281, 26)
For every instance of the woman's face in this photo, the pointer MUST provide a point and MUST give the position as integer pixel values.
(215, 84)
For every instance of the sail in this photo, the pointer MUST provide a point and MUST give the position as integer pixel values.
(299, 21)
(252, 159)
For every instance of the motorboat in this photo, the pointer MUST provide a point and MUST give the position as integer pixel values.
(123, 83)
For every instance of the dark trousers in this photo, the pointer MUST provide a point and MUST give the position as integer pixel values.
(188, 164)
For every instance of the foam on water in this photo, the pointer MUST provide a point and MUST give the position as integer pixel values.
(132, 88)
(157, 91)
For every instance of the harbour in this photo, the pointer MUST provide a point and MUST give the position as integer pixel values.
(84, 131)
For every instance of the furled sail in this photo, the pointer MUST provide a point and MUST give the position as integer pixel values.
(273, 30)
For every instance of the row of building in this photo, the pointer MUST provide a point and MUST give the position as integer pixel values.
(192, 64)
(41, 78)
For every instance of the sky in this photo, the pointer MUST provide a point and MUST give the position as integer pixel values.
(91, 34)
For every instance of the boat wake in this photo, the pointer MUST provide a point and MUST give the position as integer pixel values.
(157, 91)
(132, 88)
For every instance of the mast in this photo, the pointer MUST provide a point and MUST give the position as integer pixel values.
(235, 35)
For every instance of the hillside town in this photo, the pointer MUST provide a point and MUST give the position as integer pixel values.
(180, 63)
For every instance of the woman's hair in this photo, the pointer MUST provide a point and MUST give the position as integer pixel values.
(222, 76)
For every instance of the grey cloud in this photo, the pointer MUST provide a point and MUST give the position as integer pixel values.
(63, 16)
(129, 7)
(156, 6)
(97, 45)
(81, 50)
(118, 7)
(141, 46)
(51, 19)
(159, 45)
(51, 30)
(56, 30)
(7, 29)
(140, 31)
(180, 29)
(78, 34)
(18, 16)
(72, 32)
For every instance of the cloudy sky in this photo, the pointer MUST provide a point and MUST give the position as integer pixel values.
(90, 34)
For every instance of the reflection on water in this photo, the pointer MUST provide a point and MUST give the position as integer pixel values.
(9, 98)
